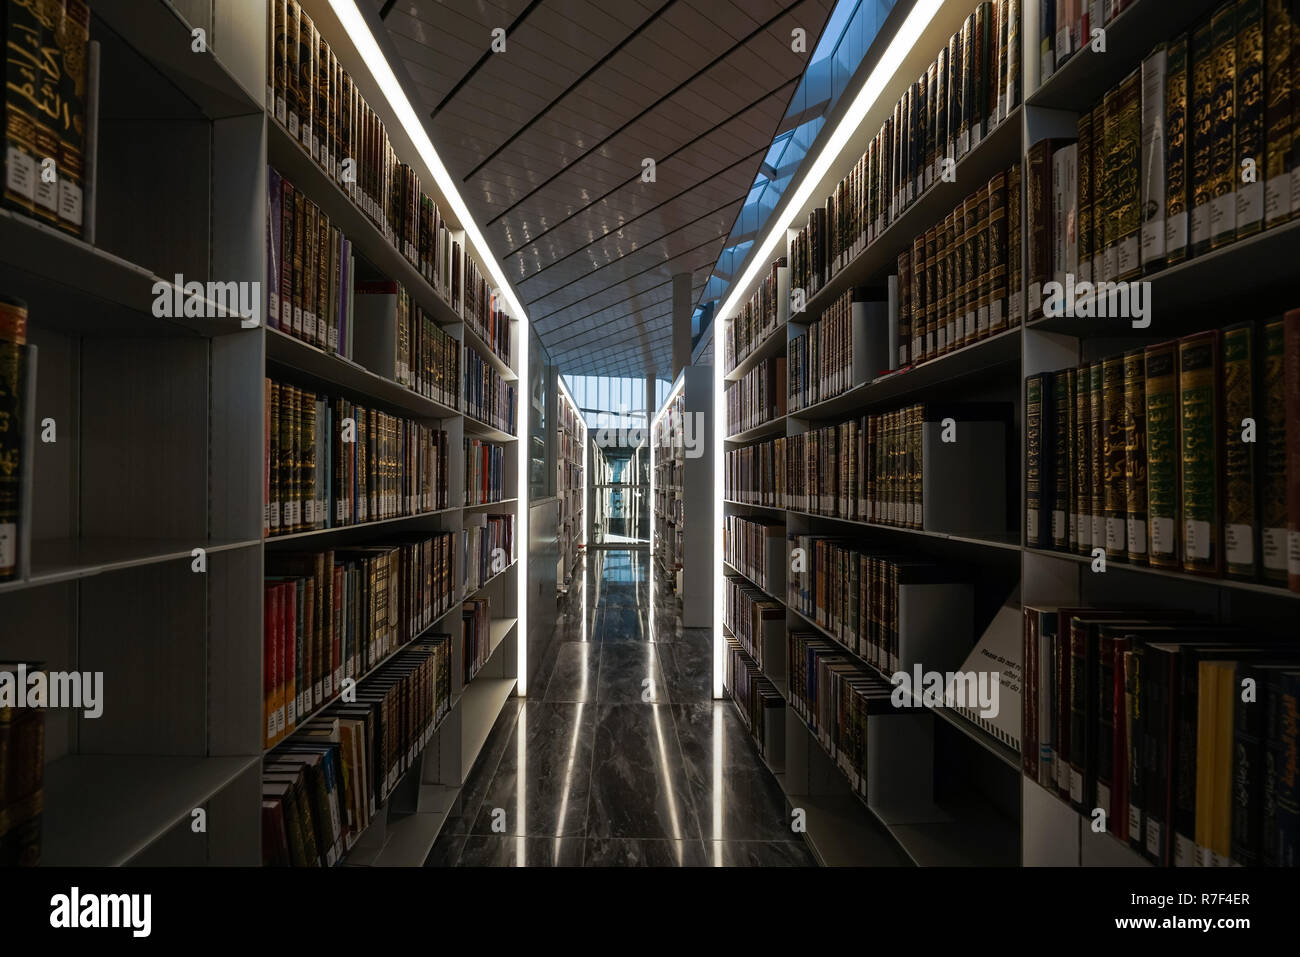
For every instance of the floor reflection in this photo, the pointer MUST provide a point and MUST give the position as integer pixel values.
(619, 756)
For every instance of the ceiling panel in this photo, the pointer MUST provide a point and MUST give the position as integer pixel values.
(547, 140)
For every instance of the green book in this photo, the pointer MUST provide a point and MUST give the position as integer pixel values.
(1038, 412)
(1097, 467)
(1272, 442)
(1135, 455)
(1199, 375)
(1240, 528)
(1163, 454)
(1061, 461)
(1083, 458)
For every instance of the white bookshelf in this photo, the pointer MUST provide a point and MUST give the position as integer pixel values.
(160, 451)
(572, 451)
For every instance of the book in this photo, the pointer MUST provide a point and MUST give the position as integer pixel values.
(1039, 478)
(1015, 242)
(1135, 456)
(73, 36)
(1201, 149)
(1177, 164)
(15, 424)
(1114, 458)
(1224, 168)
(1291, 380)
(1124, 175)
(1084, 199)
(1199, 383)
(1240, 525)
(1164, 455)
(1155, 70)
(1278, 92)
(1250, 105)
(1272, 457)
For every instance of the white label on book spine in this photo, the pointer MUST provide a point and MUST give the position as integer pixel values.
(1223, 214)
(1134, 819)
(8, 544)
(976, 134)
(293, 125)
(982, 319)
(70, 199)
(1153, 836)
(1201, 223)
(963, 143)
(1293, 552)
(1275, 548)
(1110, 261)
(1136, 529)
(995, 315)
(1239, 544)
(280, 109)
(1153, 239)
(1076, 786)
(1058, 524)
(1277, 198)
(1295, 179)
(1127, 256)
(1031, 525)
(1114, 535)
(1250, 203)
(1162, 535)
(1184, 851)
(969, 326)
(1196, 536)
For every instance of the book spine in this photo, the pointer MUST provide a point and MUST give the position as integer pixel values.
(1038, 181)
(1135, 455)
(1100, 191)
(49, 82)
(1015, 255)
(1199, 388)
(1202, 136)
(1240, 528)
(1251, 158)
(997, 253)
(1224, 157)
(1114, 457)
(1125, 170)
(1176, 160)
(22, 104)
(273, 460)
(74, 39)
(1038, 412)
(1163, 455)
(1084, 201)
(13, 431)
(1154, 80)
(1291, 378)
(983, 277)
(1060, 487)
(1071, 459)
(1083, 489)
(968, 226)
(1278, 93)
(1273, 487)
(292, 27)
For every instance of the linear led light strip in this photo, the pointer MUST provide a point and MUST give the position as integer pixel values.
(355, 24)
(906, 37)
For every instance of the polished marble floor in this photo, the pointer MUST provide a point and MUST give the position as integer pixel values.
(619, 756)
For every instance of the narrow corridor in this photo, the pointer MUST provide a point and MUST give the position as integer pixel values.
(619, 756)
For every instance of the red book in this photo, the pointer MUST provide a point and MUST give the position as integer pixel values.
(271, 687)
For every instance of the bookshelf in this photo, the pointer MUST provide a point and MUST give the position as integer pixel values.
(973, 803)
(159, 453)
(570, 487)
(681, 492)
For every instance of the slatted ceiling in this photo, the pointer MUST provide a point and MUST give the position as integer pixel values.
(548, 138)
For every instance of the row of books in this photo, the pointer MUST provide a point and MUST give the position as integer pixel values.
(17, 368)
(749, 614)
(44, 107)
(330, 462)
(754, 549)
(757, 398)
(855, 595)
(485, 472)
(972, 86)
(1182, 732)
(758, 318)
(315, 100)
(961, 280)
(834, 696)
(333, 615)
(1190, 152)
(1065, 27)
(476, 636)
(400, 341)
(488, 549)
(323, 788)
(489, 398)
(1177, 455)
(758, 701)
(22, 775)
(820, 359)
(669, 475)
(570, 486)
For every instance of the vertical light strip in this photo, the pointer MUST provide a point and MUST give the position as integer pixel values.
(521, 787)
(890, 60)
(373, 56)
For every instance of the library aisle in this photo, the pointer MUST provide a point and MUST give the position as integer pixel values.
(620, 756)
